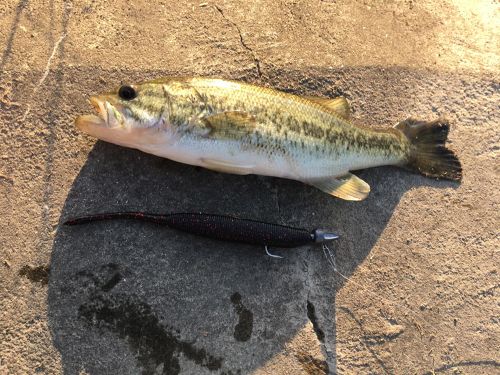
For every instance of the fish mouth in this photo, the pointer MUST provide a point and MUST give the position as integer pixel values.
(107, 116)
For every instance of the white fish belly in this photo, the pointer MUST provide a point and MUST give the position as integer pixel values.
(229, 157)
(232, 157)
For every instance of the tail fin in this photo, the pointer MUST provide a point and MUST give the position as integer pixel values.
(429, 155)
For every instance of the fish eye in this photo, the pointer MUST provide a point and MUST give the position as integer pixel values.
(127, 92)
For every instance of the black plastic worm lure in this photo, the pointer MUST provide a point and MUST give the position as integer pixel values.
(223, 228)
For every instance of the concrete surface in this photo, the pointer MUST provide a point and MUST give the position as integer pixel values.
(420, 257)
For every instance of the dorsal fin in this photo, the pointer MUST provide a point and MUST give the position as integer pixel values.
(348, 187)
(339, 105)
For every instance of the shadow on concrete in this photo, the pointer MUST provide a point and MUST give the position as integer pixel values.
(125, 296)
(130, 297)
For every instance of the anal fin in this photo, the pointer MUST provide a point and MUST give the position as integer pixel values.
(348, 187)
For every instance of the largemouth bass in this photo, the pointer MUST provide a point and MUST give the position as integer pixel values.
(236, 127)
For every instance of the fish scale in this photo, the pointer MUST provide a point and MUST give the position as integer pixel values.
(236, 127)
(291, 117)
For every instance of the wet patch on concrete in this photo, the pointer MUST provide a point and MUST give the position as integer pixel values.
(242, 330)
(38, 274)
(157, 345)
(154, 343)
(111, 283)
(104, 279)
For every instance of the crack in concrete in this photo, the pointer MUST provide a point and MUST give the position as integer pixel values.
(365, 342)
(322, 37)
(313, 318)
(242, 41)
(483, 362)
(311, 314)
(45, 234)
(45, 73)
(277, 197)
(274, 189)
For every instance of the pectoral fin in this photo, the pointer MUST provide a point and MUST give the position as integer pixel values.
(348, 187)
(227, 167)
(339, 105)
(231, 124)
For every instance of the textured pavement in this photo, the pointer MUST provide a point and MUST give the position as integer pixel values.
(417, 288)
